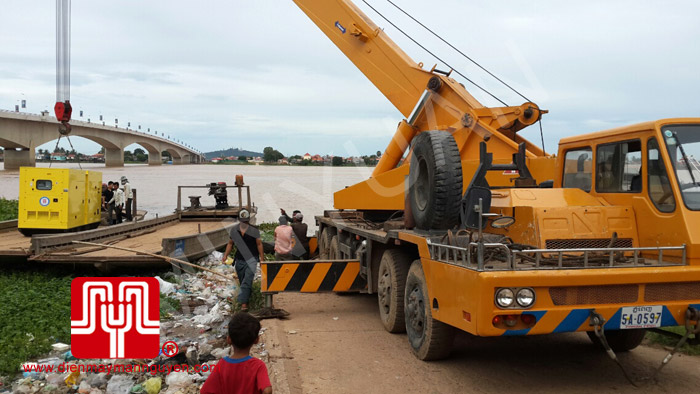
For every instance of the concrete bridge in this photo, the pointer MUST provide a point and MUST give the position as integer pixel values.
(21, 133)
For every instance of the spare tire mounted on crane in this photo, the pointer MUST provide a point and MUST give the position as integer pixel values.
(435, 178)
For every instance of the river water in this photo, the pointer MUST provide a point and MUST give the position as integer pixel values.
(309, 189)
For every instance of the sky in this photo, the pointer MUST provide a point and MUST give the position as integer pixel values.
(252, 74)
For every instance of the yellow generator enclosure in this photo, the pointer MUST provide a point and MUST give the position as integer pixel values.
(58, 200)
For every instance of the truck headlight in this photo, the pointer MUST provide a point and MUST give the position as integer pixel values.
(504, 297)
(525, 297)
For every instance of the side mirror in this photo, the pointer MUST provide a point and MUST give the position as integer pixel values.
(502, 222)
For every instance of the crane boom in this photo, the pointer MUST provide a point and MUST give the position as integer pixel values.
(371, 50)
(428, 99)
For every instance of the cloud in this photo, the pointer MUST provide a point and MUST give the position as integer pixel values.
(253, 74)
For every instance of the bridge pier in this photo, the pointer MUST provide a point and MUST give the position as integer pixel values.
(14, 159)
(177, 160)
(154, 159)
(114, 157)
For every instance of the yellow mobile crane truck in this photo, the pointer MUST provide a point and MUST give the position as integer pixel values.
(482, 231)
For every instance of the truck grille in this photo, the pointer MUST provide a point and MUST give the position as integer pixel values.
(585, 295)
(655, 292)
(587, 243)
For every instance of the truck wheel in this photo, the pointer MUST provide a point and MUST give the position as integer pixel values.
(435, 178)
(324, 243)
(333, 250)
(391, 285)
(429, 338)
(620, 340)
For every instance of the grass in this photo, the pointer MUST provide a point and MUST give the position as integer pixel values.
(9, 209)
(671, 342)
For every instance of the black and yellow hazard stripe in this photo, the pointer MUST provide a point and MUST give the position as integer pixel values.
(310, 276)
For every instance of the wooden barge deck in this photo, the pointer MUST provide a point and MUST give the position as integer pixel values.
(172, 235)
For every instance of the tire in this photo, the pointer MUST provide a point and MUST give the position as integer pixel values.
(435, 178)
(429, 339)
(391, 285)
(324, 242)
(333, 249)
(620, 340)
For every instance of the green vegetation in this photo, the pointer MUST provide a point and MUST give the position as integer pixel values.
(9, 209)
(168, 306)
(671, 342)
(271, 155)
(267, 231)
(34, 314)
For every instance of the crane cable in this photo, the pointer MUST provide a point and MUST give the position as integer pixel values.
(63, 108)
(458, 51)
(432, 54)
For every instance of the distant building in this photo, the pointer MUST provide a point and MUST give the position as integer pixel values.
(56, 156)
(97, 158)
(307, 156)
(216, 159)
(283, 161)
(317, 159)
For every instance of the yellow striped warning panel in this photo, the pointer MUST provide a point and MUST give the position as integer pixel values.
(311, 276)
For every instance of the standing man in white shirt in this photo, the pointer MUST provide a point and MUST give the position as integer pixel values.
(129, 195)
(118, 202)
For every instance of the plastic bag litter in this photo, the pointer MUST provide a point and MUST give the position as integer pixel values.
(138, 389)
(214, 258)
(97, 380)
(201, 310)
(205, 349)
(216, 314)
(221, 352)
(25, 389)
(165, 287)
(54, 378)
(84, 387)
(216, 255)
(73, 378)
(153, 385)
(178, 380)
(60, 347)
(120, 384)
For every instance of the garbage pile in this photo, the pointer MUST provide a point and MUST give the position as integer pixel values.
(198, 326)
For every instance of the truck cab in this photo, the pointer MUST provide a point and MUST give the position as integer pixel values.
(652, 167)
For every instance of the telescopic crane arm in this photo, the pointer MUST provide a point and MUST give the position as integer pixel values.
(430, 100)
(63, 109)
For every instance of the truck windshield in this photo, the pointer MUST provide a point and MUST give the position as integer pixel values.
(683, 143)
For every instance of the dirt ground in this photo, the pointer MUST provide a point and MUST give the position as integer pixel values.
(336, 344)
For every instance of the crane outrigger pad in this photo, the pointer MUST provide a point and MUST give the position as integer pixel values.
(311, 276)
